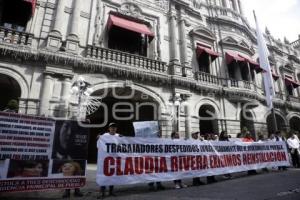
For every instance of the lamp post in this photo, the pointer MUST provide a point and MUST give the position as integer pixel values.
(82, 89)
(177, 101)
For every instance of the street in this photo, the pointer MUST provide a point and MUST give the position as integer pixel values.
(274, 184)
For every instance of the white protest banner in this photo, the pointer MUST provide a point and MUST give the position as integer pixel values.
(124, 160)
(146, 129)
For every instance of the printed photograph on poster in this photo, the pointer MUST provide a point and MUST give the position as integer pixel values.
(28, 168)
(68, 168)
(70, 141)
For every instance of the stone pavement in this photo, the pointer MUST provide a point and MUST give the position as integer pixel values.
(272, 185)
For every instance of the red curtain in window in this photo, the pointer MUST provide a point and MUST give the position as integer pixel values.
(230, 57)
(202, 50)
(275, 76)
(253, 64)
(129, 25)
(33, 4)
(290, 81)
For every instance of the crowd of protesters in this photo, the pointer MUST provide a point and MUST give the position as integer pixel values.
(292, 142)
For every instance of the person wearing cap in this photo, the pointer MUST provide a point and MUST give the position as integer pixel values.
(112, 131)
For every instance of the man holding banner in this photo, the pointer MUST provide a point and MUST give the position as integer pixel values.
(112, 133)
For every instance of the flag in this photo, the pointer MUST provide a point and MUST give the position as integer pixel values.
(265, 64)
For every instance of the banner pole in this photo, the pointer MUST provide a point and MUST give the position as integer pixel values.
(274, 119)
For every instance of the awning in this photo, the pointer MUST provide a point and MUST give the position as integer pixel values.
(203, 50)
(129, 25)
(252, 64)
(275, 76)
(290, 81)
(230, 57)
(33, 4)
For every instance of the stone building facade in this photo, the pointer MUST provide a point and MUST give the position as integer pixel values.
(196, 56)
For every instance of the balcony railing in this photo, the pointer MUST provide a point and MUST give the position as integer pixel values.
(279, 95)
(125, 58)
(242, 84)
(15, 37)
(208, 78)
(293, 99)
(296, 43)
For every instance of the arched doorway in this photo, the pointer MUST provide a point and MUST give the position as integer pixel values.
(122, 106)
(295, 123)
(247, 122)
(10, 89)
(208, 120)
(281, 125)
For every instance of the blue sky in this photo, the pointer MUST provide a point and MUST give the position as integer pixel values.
(282, 17)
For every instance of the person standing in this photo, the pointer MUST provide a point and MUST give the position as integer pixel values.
(249, 139)
(112, 132)
(278, 137)
(224, 138)
(210, 179)
(196, 180)
(293, 144)
(178, 183)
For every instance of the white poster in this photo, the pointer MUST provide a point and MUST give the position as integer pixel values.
(24, 137)
(125, 160)
(146, 129)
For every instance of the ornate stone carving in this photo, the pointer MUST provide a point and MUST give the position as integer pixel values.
(164, 4)
(131, 9)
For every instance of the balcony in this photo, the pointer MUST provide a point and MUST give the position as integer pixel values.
(242, 84)
(11, 36)
(293, 99)
(208, 78)
(126, 59)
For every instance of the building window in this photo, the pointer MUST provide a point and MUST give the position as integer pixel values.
(289, 89)
(128, 35)
(205, 56)
(290, 84)
(237, 68)
(15, 14)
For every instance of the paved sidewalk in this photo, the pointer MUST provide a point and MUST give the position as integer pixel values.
(272, 185)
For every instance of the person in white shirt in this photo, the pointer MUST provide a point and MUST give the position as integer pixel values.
(112, 131)
(293, 144)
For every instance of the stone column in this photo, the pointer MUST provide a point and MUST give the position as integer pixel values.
(46, 94)
(183, 44)
(174, 68)
(55, 36)
(173, 39)
(187, 70)
(73, 39)
(66, 87)
(235, 6)
(65, 95)
(240, 5)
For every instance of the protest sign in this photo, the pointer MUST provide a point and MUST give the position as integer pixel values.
(146, 129)
(139, 160)
(36, 153)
